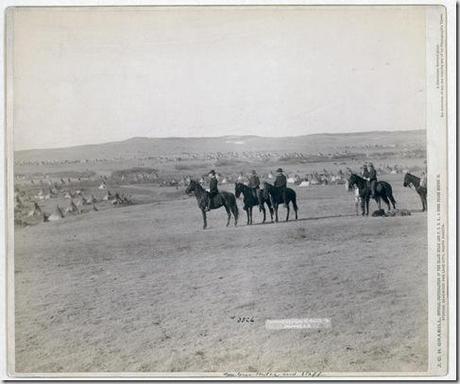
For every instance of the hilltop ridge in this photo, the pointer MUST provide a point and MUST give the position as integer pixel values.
(141, 147)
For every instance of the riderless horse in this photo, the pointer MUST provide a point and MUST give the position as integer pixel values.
(222, 199)
(414, 181)
(251, 201)
(276, 197)
(383, 191)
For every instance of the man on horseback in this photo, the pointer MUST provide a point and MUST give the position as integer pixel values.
(281, 183)
(213, 191)
(254, 183)
(370, 175)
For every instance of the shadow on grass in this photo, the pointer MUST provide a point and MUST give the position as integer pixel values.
(291, 220)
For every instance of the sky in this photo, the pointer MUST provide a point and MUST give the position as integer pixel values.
(93, 75)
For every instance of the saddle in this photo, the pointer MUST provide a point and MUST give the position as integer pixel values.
(216, 201)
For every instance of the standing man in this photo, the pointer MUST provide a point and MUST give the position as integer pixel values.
(365, 172)
(281, 183)
(365, 175)
(254, 183)
(372, 179)
(213, 191)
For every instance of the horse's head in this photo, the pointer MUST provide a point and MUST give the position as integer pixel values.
(191, 187)
(238, 190)
(406, 179)
(351, 181)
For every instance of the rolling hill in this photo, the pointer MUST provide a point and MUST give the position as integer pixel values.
(142, 147)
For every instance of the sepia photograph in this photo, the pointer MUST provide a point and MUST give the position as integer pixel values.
(227, 191)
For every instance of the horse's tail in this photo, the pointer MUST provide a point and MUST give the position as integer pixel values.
(389, 193)
(294, 202)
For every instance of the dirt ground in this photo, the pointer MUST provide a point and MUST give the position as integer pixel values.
(144, 289)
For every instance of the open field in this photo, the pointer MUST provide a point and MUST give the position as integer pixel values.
(144, 288)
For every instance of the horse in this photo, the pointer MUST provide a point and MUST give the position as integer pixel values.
(383, 191)
(251, 201)
(222, 199)
(275, 196)
(411, 180)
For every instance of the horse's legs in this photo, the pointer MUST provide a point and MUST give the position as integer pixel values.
(250, 215)
(235, 213)
(275, 207)
(205, 224)
(287, 212)
(363, 206)
(387, 202)
(270, 209)
(367, 206)
(247, 214)
(228, 215)
(262, 209)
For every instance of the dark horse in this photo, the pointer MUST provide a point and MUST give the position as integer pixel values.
(276, 197)
(383, 191)
(411, 180)
(223, 199)
(251, 201)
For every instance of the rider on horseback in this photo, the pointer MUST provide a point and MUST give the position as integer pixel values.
(254, 183)
(213, 191)
(281, 183)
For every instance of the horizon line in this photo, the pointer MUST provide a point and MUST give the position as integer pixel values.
(212, 137)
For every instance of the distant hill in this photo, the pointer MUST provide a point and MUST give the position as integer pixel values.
(142, 147)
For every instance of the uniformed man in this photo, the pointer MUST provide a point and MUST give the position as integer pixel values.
(372, 179)
(254, 183)
(213, 191)
(281, 182)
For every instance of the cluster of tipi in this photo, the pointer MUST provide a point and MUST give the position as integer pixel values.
(27, 205)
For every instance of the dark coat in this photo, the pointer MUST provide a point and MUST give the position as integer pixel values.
(372, 174)
(280, 181)
(213, 186)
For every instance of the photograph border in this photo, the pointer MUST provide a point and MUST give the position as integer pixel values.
(448, 201)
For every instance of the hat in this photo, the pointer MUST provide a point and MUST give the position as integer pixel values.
(279, 170)
(254, 172)
(371, 165)
(213, 172)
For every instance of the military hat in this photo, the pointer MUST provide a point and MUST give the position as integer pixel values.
(279, 170)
